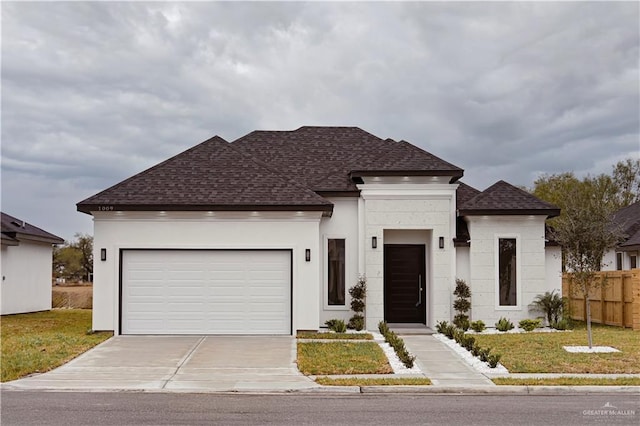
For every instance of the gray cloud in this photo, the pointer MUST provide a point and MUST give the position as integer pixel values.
(94, 92)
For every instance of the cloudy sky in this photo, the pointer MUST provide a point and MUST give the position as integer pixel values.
(93, 92)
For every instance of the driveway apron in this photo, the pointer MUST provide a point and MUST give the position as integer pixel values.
(179, 363)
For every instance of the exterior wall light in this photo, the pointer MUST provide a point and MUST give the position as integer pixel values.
(103, 254)
(307, 255)
(374, 242)
(441, 242)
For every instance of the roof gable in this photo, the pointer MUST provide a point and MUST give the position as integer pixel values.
(503, 198)
(13, 228)
(210, 176)
(628, 219)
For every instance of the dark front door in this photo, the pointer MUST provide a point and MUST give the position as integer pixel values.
(404, 283)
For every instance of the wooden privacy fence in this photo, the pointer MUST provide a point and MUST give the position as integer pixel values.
(616, 303)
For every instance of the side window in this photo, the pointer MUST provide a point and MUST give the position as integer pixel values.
(618, 261)
(507, 274)
(336, 271)
(633, 262)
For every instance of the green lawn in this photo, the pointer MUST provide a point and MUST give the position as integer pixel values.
(335, 336)
(39, 342)
(543, 352)
(391, 381)
(569, 381)
(342, 358)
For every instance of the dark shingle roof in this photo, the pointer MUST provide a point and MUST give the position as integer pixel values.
(13, 228)
(464, 193)
(268, 170)
(503, 198)
(210, 176)
(628, 219)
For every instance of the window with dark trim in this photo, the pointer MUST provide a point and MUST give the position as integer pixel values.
(618, 261)
(336, 271)
(633, 262)
(507, 274)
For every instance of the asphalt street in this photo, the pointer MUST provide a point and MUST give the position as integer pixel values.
(143, 408)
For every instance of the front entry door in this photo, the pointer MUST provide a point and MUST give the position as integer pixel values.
(404, 283)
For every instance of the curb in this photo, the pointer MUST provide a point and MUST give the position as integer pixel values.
(341, 390)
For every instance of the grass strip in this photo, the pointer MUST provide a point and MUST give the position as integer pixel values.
(569, 381)
(335, 336)
(316, 358)
(391, 381)
(42, 341)
(543, 352)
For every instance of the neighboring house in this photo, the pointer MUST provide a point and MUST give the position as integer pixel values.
(265, 235)
(26, 267)
(625, 255)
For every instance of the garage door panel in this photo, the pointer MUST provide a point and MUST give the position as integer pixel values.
(206, 292)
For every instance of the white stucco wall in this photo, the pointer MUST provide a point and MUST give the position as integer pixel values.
(553, 268)
(533, 277)
(609, 260)
(26, 277)
(343, 223)
(207, 230)
(420, 207)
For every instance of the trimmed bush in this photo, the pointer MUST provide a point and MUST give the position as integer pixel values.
(462, 304)
(529, 324)
(477, 326)
(440, 327)
(358, 295)
(504, 324)
(397, 344)
(563, 324)
(493, 360)
(336, 325)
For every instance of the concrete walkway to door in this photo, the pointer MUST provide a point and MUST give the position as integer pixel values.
(441, 364)
(179, 363)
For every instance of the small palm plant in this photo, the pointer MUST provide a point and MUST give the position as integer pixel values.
(551, 303)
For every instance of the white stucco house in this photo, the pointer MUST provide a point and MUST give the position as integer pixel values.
(265, 235)
(26, 263)
(625, 255)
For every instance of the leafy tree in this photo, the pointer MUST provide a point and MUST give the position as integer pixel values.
(585, 234)
(74, 260)
(626, 177)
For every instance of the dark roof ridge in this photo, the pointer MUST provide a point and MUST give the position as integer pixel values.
(505, 198)
(154, 167)
(11, 225)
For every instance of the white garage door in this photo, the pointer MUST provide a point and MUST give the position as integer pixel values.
(206, 292)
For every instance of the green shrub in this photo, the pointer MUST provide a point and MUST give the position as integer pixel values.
(468, 342)
(529, 324)
(563, 324)
(475, 350)
(358, 295)
(462, 304)
(478, 326)
(336, 325)
(449, 331)
(504, 324)
(493, 360)
(441, 326)
(461, 321)
(397, 344)
(356, 322)
(551, 304)
(484, 354)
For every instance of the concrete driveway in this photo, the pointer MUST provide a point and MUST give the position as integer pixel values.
(179, 363)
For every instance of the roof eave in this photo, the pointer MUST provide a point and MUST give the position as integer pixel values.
(90, 208)
(455, 174)
(509, 212)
